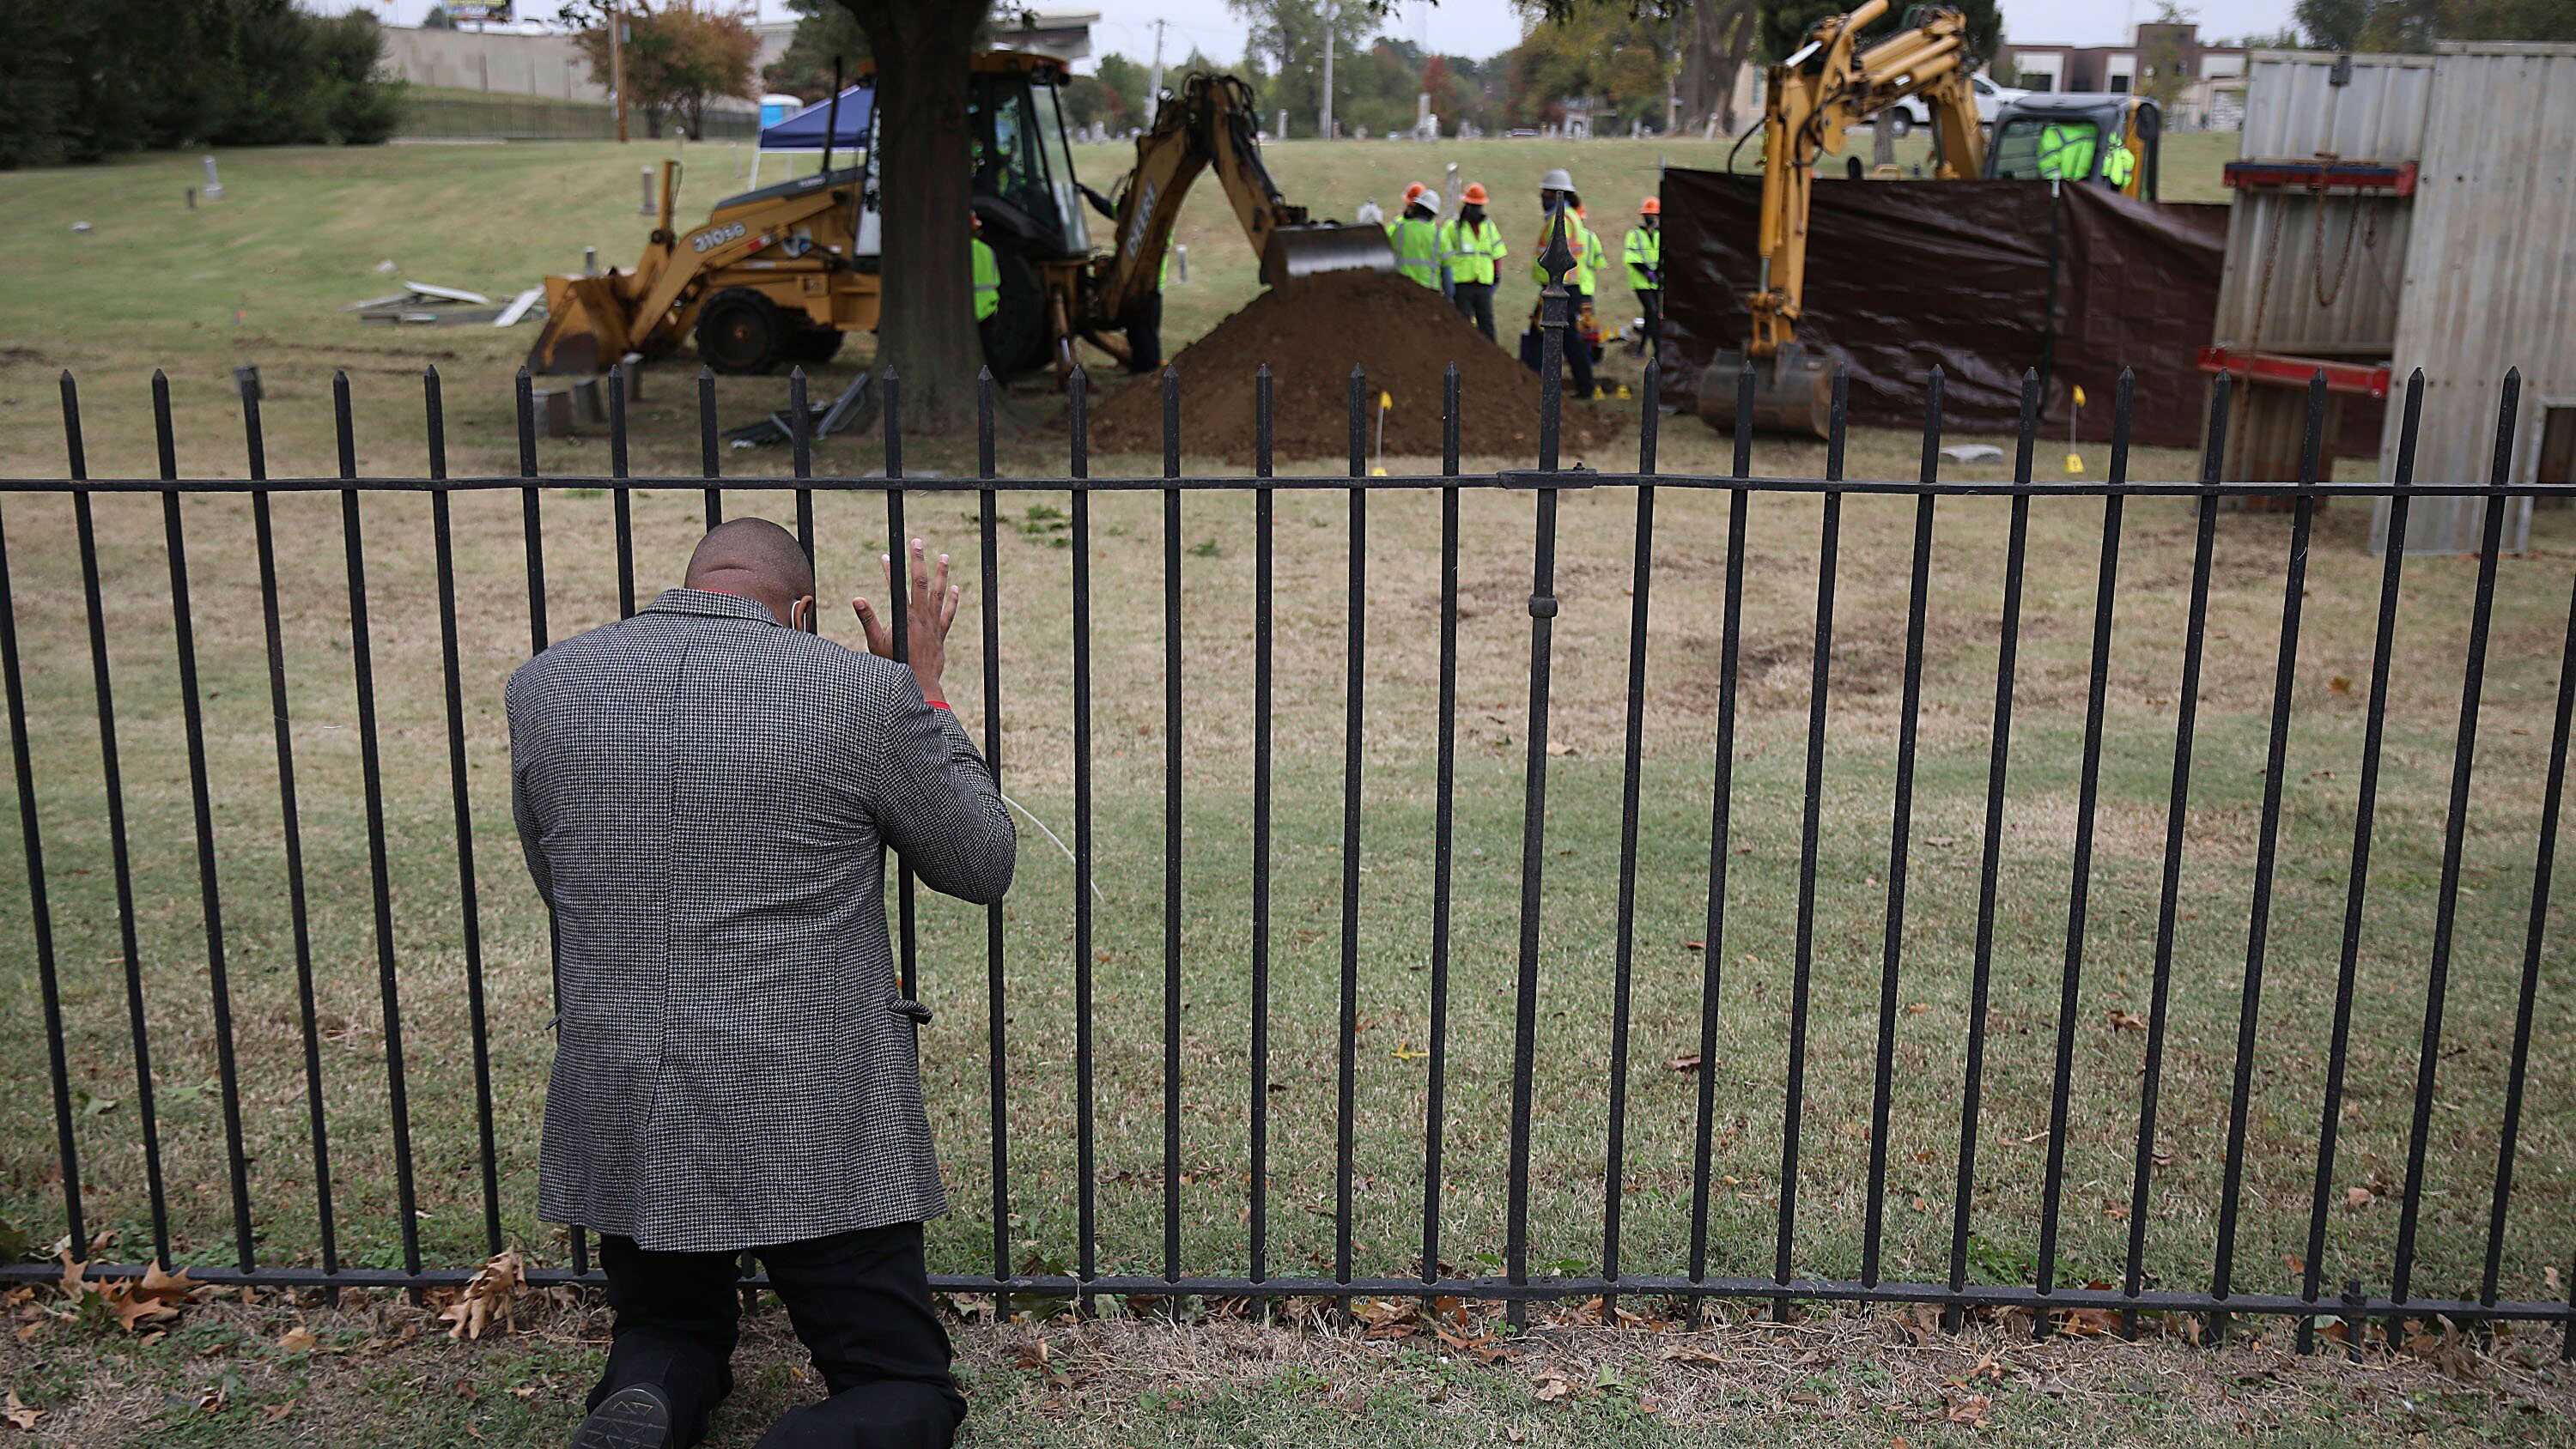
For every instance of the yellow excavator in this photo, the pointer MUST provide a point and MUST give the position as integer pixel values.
(781, 274)
(1832, 83)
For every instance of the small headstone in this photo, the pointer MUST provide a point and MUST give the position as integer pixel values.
(1972, 453)
(214, 187)
(192, 198)
(554, 405)
(644, 207)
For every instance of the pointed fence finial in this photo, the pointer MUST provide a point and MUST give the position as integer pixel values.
(1558, 259)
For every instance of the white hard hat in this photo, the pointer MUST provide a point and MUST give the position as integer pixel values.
(1428, 200)
(1556, 180)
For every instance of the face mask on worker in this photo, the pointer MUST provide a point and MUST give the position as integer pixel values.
(1418, 212)
(1471, 213)
(1551, 200)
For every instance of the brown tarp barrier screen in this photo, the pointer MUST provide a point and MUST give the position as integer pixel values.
(1902, 275)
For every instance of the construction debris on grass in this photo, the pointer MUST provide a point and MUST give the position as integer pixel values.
(429, 305)
(1310, 332)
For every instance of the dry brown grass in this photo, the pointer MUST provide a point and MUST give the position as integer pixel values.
(277, 1371)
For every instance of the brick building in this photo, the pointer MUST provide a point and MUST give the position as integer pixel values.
(2213, 76)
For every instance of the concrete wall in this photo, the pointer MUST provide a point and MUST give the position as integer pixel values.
(520, 65)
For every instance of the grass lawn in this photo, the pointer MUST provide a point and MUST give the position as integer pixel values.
(382, 1376)
(257, 278)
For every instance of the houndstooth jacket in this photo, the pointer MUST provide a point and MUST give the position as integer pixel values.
(705, 797)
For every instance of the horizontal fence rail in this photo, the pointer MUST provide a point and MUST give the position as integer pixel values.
(367, 907)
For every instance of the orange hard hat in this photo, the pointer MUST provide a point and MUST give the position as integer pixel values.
(1410, 192)
(1474, 195)
(1650, 207)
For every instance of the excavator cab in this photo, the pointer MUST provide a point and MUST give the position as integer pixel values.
(1027, 197)
(2108, 139)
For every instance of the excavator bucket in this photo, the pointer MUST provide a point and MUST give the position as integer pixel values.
(1793, 392)
(1297, 251)
(585, 329)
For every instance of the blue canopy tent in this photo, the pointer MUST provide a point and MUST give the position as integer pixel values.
(804, 131)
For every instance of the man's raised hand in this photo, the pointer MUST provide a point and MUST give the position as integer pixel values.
(930, 606)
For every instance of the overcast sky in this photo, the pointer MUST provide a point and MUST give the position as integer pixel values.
(1476, 27)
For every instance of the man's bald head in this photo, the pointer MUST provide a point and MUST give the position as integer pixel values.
(756, 559)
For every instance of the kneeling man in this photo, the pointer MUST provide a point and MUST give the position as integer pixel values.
(705, 793)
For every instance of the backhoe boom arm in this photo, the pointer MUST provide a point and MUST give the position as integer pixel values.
(1825, 88)
(1209, 124)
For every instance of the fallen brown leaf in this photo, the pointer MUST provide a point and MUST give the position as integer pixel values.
(490, 1297)
(1968, 1409)
(21, 1417)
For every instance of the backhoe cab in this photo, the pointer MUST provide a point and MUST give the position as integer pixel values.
(2108, 139)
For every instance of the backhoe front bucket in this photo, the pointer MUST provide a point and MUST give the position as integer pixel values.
(584, 330)
(1298, 251)
(1793, 392)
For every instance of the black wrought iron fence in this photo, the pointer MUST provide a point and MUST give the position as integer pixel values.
(1516, 1277)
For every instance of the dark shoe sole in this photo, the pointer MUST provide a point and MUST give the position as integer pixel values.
(635, 1417)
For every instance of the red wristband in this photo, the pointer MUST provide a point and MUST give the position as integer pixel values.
(938, 704)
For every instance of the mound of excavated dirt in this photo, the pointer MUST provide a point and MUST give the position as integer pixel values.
(1310, 332)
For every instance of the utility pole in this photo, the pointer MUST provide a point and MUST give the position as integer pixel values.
(617, 69)
(1327, 130)
(1154, 94)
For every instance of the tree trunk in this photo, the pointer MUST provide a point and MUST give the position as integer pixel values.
(1716, 37)
(926, 319)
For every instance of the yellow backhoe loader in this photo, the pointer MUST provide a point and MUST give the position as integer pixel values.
(781, 274)
(1833, 83)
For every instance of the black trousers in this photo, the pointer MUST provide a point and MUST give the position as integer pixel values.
(1578, 353)
(860, 1301)
(1651, 301)
(1476, 303)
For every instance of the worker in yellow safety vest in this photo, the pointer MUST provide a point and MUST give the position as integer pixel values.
(2066, 151)
(987, 273)
(1557, 198)
(2118, 165)
(1472, 247)
(1416, 236)
(1645, 259)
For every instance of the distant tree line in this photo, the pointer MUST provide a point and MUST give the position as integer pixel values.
(85, 80)
(2413, 25)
